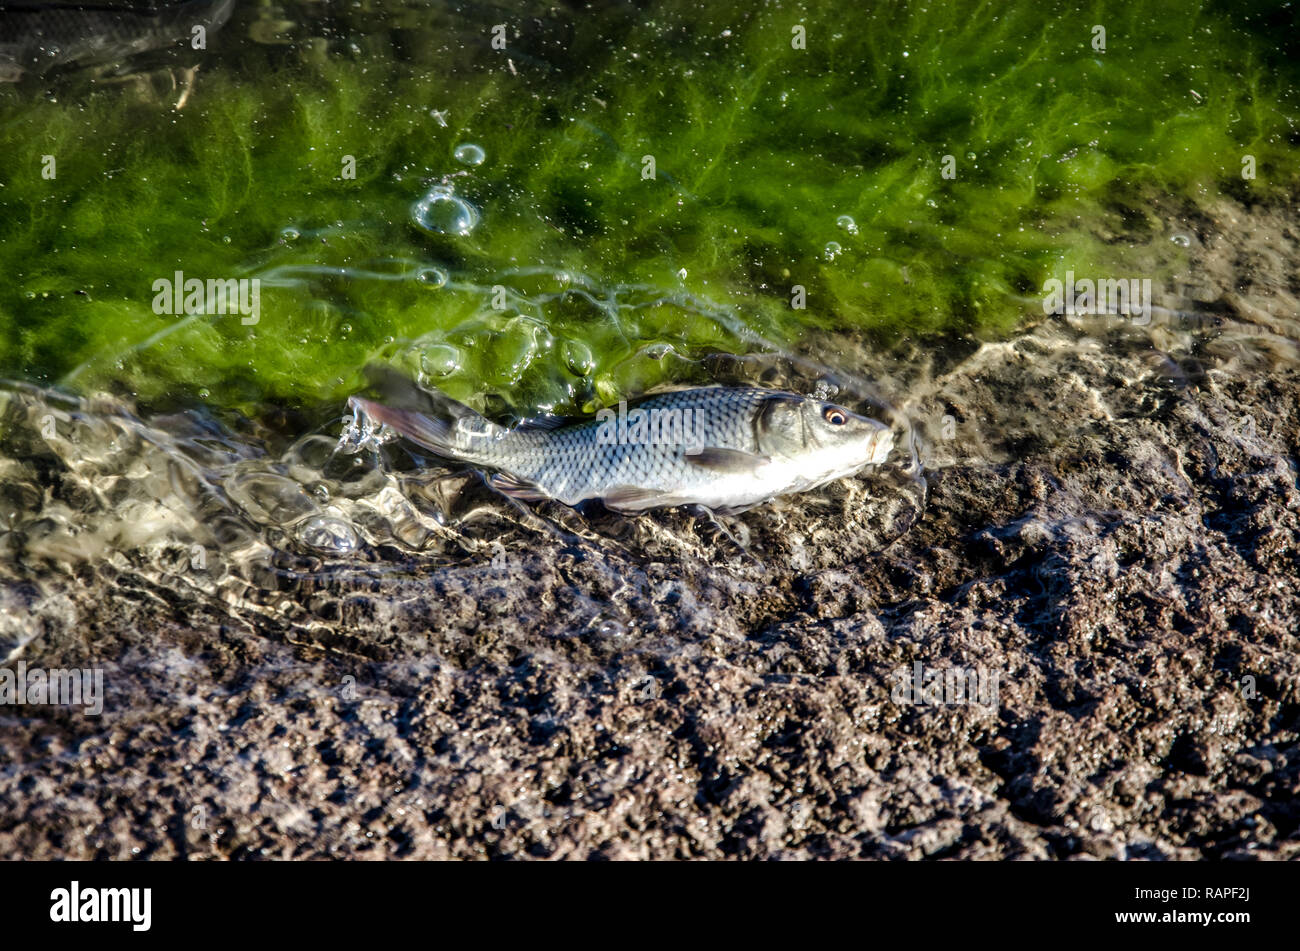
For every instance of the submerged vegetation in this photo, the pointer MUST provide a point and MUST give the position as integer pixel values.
(539, 223)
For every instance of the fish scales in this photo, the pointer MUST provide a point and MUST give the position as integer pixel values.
(572, 461)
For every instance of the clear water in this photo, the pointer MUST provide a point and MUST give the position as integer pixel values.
(486, 221)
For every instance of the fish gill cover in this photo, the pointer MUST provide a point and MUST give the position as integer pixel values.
(539, 203)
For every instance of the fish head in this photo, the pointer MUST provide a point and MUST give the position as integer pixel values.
(828, 439)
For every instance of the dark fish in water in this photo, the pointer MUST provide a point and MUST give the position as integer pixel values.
(36, 37)
(725, 448)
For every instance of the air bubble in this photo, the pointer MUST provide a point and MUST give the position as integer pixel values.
(441, 212)
(833, 250)
(847, 223)
(290, 234)
(440, 359)
(469, 154)
(431, 277)
(1182, 240)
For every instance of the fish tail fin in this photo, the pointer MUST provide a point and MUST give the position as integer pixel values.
(441, 425)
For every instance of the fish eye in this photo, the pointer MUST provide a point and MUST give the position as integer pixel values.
(835, 416)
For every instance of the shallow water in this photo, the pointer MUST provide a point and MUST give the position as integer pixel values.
(290, 528)
(203, 448)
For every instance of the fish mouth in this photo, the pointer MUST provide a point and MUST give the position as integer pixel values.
(880, 445)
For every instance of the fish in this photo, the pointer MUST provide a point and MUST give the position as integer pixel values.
(723, 448)
(37, 36)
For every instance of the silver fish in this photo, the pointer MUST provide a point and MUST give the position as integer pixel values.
(724, 448)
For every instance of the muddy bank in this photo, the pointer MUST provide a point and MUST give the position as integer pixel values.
(1110, 528)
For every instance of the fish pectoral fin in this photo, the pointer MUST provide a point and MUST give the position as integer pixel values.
(633, 498)
(516, 488)
(731, 461)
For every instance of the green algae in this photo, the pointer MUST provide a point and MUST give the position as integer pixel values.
(300, 165)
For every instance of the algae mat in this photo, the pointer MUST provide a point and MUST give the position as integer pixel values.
(532, 205)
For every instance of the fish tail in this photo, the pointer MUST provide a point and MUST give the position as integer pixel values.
(448, 428)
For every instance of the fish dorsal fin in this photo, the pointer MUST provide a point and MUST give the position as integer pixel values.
(541, 424)
(664, 388)
(729, 461)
